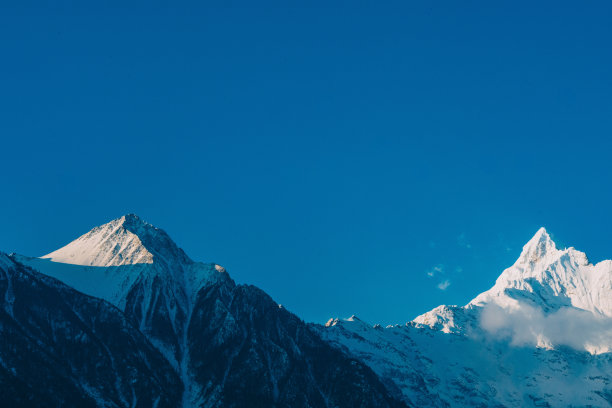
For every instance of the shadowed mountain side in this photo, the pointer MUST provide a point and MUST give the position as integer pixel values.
(231, 345)
(139, 290)
(249, 351)
(63, 348)
(242, 348)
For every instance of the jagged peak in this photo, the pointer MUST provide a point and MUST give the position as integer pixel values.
(551, 278)
(123, 241)
(538, 247)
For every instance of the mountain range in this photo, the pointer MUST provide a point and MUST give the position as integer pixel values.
(122, 317)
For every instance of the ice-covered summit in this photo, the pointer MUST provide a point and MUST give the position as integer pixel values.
(547, 293)
(126, 240)
(538, 247)
(139, 269)
(113, 259)
(551, 278)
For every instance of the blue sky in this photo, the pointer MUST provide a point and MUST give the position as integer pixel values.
(334, 154)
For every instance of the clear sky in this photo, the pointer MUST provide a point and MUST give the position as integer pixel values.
(332, 153)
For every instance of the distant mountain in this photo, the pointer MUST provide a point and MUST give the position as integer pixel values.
(122, 317)
(540, 337)
(210, 342)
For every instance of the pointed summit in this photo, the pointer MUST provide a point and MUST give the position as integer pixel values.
(550, 279)
(538, 247)
(124, 241)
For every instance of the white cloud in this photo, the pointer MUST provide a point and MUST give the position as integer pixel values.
(444, 284)
(526, 325)
(436, 270)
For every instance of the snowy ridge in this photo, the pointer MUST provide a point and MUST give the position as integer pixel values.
(72, 349)
(429, 368)
(111, 244)
(119, 242)
(558, 278)
(215, 343)
(543, 277)
(139, 269)
(110, 259)
(541, 336)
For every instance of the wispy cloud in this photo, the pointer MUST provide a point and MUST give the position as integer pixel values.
(444, 284)
(442, 275)
(435, 271)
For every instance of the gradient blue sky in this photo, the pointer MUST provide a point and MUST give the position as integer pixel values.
(330, 153)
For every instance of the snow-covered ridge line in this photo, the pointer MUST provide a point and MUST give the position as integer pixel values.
(205, 326)
(543, 290)
(544, 277)
(138, 268)
(556, 277)
(541, 336)
(124, 241)
(108, 261)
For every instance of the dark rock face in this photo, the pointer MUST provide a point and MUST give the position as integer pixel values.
(148, 307)
(62, 348)
(246, 350)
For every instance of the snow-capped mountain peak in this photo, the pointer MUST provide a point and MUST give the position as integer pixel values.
(510, 346)
(538, 247)
(551, 278)
(111, 260)
(126, 240)
(544, 281)
(139, 269)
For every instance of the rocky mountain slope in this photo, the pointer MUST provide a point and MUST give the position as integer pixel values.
(220, 344)
(63, 348)
(122, 317)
